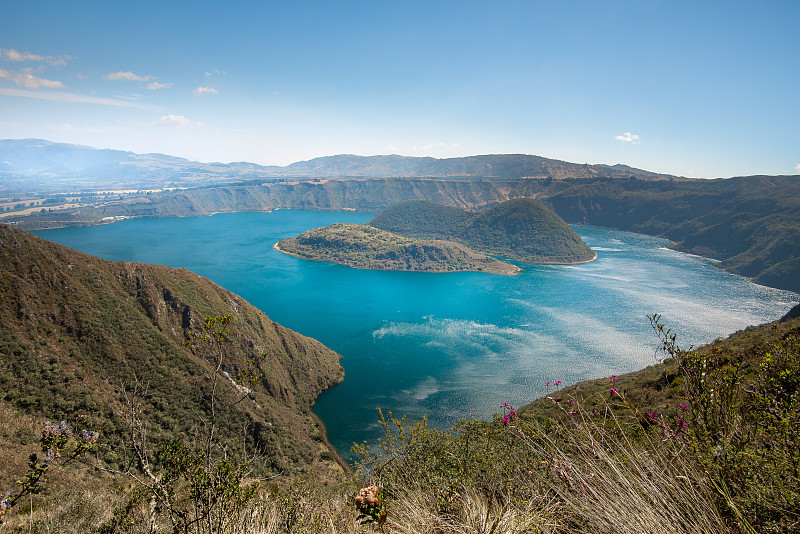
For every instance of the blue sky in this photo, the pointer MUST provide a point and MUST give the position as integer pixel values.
(706, 89)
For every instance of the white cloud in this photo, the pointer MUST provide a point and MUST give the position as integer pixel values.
(391, 148)
(25, 78)
(797, 167)
(58, 96)
(430, 146)
(205, 91)
(156, 85)
(10, 124)
(14, 55)
(628, 137)
(128, 75)
(177, 121)
(215, 72)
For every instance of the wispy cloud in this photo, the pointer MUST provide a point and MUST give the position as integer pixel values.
(215, 72)
(178, 121)
(797, 168)
(59, 96)
(205, 91)
(14, 55)
(430, 146)
(153, 86)
(628, 137)
(391, 148)
(27, 79)
(127, 75)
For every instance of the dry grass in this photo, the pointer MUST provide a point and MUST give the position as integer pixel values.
(610, 484)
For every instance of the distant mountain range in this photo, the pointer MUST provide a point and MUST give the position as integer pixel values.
(44, 166)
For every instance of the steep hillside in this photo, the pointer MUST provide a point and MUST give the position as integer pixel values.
(521, 229)
(81, 336)
(751, 224)
(365, 247)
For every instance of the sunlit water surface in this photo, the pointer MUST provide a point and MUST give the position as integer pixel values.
(449, 345)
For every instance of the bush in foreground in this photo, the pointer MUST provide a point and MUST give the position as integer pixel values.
(725, 459)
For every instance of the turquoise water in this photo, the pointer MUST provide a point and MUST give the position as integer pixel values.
(449, 345)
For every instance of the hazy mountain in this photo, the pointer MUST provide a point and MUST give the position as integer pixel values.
(39, 165)
(498, 166)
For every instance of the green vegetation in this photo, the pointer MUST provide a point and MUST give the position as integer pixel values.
(365, 247)
(84, 338)
(704, 441)
(521, 229)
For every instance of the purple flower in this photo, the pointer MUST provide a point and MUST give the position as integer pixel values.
(684, 407)
(614, 378)
(89, 436)
(614, 391)
(510, 415)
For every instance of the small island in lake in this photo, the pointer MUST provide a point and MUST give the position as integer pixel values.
(419, 235)
(364, 247)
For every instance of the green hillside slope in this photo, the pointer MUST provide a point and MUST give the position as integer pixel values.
(520, 229)
(80, 334)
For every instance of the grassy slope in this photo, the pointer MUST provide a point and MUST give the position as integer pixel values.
(659, 387)
(365, 247)
(78, 331)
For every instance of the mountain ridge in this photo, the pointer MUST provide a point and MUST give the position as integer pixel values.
(41, 165)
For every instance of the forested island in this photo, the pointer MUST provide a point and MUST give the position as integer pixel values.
(364, 247)
(419, 235)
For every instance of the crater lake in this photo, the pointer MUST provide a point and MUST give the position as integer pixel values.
(449, 345)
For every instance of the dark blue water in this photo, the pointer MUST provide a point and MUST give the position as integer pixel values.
(449, 345)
